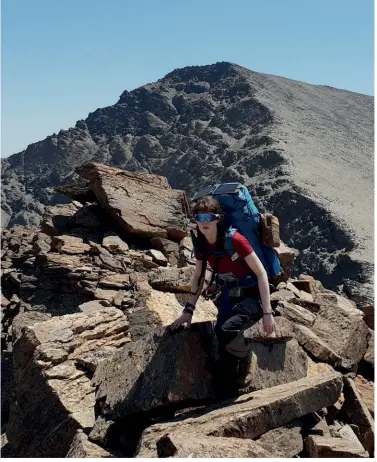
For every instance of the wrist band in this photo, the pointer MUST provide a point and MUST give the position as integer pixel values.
(189, 308)
(270, 312)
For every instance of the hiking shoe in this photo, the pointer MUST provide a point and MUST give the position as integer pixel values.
(246, 371)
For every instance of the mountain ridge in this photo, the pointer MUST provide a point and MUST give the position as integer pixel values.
(305, 152)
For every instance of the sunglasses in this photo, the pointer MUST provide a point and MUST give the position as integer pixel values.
(206, 217)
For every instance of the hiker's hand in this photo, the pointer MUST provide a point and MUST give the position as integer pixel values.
(185, 318)
(268, 323)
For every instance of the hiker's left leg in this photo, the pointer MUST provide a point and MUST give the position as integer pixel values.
(247, 313)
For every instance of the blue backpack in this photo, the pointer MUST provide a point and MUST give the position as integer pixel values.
(241, 214)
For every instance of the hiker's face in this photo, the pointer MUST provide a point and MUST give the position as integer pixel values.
(207, 227)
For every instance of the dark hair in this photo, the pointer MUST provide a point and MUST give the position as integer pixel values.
(209, 204)
(206, 204)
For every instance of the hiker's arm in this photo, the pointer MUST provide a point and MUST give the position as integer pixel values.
(196, 289)
(257, 268)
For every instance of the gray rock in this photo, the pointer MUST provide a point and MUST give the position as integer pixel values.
(159, 369)
(251, 415)
(276, 363)
(86, 216)
(177, 445)
(82, 448)
(285, 441)
(295, 313)
(358, 414)
(340, 324)
(324, 446)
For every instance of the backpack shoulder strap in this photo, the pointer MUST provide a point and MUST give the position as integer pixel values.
(228, 242)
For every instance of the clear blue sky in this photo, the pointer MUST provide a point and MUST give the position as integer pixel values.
(62, 59)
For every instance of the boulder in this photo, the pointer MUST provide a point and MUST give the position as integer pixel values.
(82, 448)
(153, 308)
(347, 433)
(53, 396)
(159, 369)
(86, 216)
(93, 305)
(328, 447)
(308, 305)
(285, 441)
(116, 281)
(171, 279)
(286, 256)
(276, 363)
(281, 294)
(250, 415)
(177, 445)
(26, 319)
(41, 243)
(69, 244)
(295, 313)
(169, 248)
(317, 368)
(58, 219)
(305, 285)
(318, 425)
(312, 343)
(341, 326)
(284, 331)
(141, 204)
(101, 430)
(158, 257)
(357, 413)
(185, 252)
(366, 390)
(114, 244)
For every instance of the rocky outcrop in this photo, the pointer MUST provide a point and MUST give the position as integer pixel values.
(90, 369)
(54, 395)
(159, 369)
(124, 201)
(251, 415)
(177, 445)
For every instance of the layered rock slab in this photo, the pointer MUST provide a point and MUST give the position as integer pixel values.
(251, 415)
(124, 195)
(53, 395)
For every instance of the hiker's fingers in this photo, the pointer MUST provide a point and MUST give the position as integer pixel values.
(177, 323)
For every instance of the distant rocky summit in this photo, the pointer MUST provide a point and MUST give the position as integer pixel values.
(304, 151)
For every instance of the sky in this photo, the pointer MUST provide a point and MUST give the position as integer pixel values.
(62, 59)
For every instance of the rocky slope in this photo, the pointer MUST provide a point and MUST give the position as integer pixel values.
(88, 368)
(305, 152)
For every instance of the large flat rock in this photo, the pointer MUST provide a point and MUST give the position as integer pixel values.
(285, 441)
(154, 308)
(159, 369)
(177, 445)
(141, 204)
(328, 447)
(251, 415)
(341, 326)
(53, 394)
(276, 363)
(357, 413)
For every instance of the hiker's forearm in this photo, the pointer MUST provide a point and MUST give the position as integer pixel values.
(264, 291)
(196, 289)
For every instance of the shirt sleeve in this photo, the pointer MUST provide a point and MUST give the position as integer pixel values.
(197, 256)
(241, 245)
